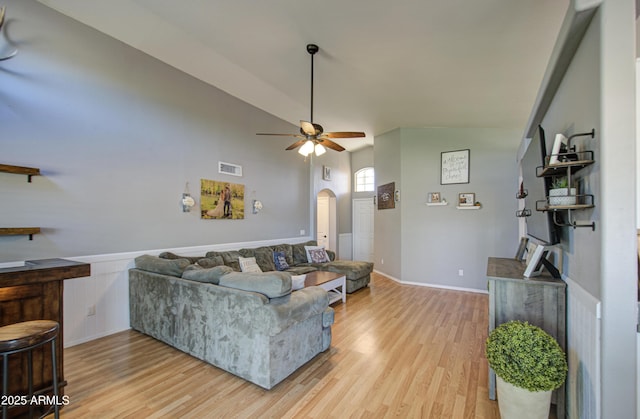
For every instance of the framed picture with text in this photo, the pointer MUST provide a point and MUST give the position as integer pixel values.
(454, 167)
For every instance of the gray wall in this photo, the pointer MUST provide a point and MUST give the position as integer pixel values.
(576, 109)
(117, 134)
(388, 222)
(436, 242)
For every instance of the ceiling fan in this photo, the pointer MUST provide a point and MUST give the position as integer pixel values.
(312, 136)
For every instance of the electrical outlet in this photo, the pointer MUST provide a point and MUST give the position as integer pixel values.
(460, 272)
(381, 261)
(91, 311)
(303, 232)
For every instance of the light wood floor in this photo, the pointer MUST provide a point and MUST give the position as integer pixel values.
(397, 351)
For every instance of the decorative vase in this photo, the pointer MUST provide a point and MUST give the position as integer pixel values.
(517, 403)
(562, 196)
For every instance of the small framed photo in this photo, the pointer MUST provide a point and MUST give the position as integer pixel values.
(434, 198)
(326, 173)
(466, 199)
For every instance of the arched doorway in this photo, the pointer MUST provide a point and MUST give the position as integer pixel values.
(326, 223)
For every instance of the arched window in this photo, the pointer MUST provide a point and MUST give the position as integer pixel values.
(364, 179)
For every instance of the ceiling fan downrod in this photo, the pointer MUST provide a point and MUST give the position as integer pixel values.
(312, 49)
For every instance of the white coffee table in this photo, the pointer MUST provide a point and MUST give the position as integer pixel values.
(335, 284)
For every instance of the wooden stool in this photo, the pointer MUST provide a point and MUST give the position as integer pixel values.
(26, 336)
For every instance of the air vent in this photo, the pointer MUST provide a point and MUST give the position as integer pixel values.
(229, 168)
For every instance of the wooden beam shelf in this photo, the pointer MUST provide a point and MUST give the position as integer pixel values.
(20, 170)
(19, 231)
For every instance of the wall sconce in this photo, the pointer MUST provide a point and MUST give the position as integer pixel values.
(187, 201)
(256, 206)
(396, 196)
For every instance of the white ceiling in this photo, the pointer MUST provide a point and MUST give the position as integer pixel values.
(382, 64)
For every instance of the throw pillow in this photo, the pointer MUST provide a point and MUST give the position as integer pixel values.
(280, 260)
(248, 264)
(316, 254)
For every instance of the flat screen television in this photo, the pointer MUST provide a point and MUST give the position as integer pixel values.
(540, 225)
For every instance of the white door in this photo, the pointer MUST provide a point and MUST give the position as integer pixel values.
(363, 229)
(323, 222)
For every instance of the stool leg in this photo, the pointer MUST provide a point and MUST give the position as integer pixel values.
(56, 407)
(30, 379)
(5, 383)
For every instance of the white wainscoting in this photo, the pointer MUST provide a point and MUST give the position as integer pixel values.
(583, 353)
(106, 291)
(345, 246)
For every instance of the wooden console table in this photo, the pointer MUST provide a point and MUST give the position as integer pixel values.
(34, 292)
(539, 300)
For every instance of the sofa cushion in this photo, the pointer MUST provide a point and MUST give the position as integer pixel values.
(210, 262)
(271, 284)
(209, 275)
(173, 267)
(230, 258)
(351, 269)
(248, 264)
(299, 254)
(280, 260)
(170, 255)
(316, 254)
(264, 258)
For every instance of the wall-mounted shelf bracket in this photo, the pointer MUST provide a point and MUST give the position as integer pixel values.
(573, 223)
(523, 213)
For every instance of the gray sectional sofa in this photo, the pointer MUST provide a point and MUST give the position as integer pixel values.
(250, 324)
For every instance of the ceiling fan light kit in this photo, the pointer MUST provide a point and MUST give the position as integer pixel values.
(312, 137)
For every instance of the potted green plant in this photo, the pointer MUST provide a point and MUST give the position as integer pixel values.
(560, 193)
(529, 364)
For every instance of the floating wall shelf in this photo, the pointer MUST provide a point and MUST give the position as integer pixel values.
(20, 170)
(19, 231)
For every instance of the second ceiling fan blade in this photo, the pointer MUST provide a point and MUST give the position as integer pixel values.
(330, 144)
(296, 144)
(343, 134)
(281, 135)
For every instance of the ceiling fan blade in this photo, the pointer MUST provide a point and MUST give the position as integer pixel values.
(330, 144)
(308, 128)
(344, 134)
(296, 144)
(282, 135)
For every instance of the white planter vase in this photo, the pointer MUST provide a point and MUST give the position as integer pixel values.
(518, 403)
(562, 196)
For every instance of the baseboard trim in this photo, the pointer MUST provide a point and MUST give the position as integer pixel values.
(423, 284)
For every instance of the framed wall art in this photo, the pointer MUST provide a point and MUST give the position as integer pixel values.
(326, 173)
(454, 167)
(466, 199)
(221, 200)
(386, 199)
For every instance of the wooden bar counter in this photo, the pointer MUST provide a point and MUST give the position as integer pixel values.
(34, 291)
